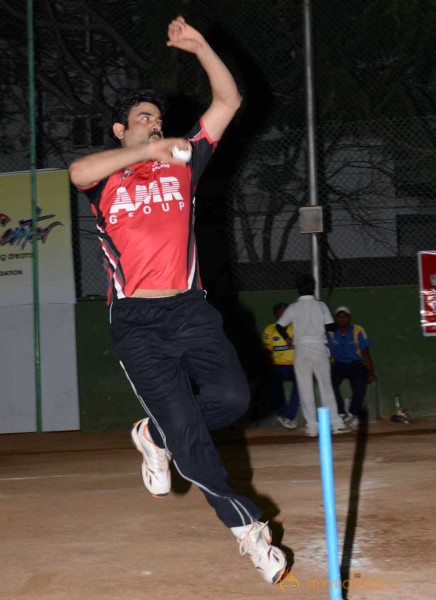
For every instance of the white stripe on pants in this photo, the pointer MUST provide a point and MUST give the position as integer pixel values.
(312, 360)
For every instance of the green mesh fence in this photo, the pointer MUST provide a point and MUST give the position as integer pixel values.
(375, 89)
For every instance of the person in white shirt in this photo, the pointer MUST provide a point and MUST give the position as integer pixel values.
(310, 317)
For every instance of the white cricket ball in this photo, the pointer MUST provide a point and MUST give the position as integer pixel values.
(184, 155)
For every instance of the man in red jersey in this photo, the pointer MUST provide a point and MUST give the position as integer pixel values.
(164, 332)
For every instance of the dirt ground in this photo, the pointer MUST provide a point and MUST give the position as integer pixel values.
(76, 522)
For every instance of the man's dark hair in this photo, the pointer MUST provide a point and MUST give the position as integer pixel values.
(306, 285)
(124, 104)
(278, 306)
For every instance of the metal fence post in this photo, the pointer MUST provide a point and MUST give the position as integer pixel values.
(311, 137)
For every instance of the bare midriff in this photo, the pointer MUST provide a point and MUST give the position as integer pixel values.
(139, 293)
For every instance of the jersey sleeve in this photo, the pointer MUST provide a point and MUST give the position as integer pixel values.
(267, 338)
(94, 193)
(362, 338)
(202, 149)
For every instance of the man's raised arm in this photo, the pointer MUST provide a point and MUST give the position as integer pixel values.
(88, 170)
(226, 98)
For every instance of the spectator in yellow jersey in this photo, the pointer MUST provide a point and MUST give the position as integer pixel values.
(281, 369)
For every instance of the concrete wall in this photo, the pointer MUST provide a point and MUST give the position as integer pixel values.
(404, 359)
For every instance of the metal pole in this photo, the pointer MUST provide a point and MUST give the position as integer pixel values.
(311, 141)
(33, 194)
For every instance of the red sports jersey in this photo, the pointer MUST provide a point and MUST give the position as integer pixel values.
(145, 219)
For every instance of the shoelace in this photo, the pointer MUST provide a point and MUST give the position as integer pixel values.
(247, 544)
(159, 456)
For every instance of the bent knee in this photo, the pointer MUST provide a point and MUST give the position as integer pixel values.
(237, 400)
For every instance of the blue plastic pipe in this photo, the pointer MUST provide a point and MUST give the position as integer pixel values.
(328, 492)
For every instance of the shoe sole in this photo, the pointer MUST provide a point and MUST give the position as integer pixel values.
(281, 575)
(138, 446)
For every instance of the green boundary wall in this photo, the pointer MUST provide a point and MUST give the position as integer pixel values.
(403, 357)
(107, 401)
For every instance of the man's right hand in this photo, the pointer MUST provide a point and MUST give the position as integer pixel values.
(371, 377)
(88, 170)
(161, 150)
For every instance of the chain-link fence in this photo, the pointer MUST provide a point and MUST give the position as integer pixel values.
(377, 185)
(375, 88)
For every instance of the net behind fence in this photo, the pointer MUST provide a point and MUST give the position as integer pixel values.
(375, 130)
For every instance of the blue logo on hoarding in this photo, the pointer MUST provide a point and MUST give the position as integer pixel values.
(23, 234)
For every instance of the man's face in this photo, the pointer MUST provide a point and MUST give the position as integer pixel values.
(342, 319)
(144, 125)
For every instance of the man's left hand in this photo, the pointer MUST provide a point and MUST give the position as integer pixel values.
(183, 36)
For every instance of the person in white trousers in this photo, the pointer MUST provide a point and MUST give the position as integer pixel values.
(310, 317)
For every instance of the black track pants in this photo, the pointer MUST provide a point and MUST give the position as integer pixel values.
(357, 375)
(163, 344)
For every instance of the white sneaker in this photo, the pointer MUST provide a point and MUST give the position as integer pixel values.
(348, 419)
(268, 560)
(354, 424)
(343, 429)
(288, 423)
(156, 473)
